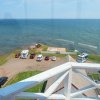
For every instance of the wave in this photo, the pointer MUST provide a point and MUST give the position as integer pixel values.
(68, 41)
(86, 45)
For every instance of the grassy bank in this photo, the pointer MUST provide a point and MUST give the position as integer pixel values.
(25, 75)
(94, 58)
(3, 59)
(44, 47)
(57, 55)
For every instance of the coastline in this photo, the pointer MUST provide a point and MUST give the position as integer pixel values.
(8, 61)
(6, 56)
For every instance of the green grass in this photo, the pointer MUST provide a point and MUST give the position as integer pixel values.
(95, 76)
(25, 75)
(17, 51)
(94, 58)
(34, 51)
(73, 56)
(57, 55)
(12, 54)
(44, 47)
(3, 59)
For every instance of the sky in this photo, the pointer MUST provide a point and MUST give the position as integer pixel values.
(49, 9)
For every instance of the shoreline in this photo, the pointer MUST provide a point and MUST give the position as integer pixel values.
(70, 47)
(7, 56)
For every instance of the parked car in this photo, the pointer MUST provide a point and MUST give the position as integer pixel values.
(17, 55)
(38, 45)
(32, 56)
(24, 54)
(46, 58)
(3, 80)
(39, 57)
(82, 58)
(53, 58)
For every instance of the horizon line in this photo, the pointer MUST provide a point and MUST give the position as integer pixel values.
(49, 19)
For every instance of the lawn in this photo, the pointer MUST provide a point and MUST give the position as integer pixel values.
(44, 47)
(74, 56)
(3, 59)
(57, 55)
(25, 75)
(95, 58)
(92, 57)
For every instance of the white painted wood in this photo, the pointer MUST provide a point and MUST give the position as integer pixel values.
(53, 87)
(88, 79)
(85, 89)
(32, 81)
(16, 90)
(8, 98)
(85, 98)
(29, 95)
(67, 85)
(11, 98)
(57, 97)
(85, 65)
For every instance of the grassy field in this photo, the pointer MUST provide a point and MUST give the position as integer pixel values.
(57, 55)
(94, 58)
(25, 75)
(3, 59)
(44, 47)
(74, 56)
(94, 76)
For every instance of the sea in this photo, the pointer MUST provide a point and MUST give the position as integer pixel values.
(80, 34)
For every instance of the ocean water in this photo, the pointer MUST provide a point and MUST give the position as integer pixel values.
(81, 34)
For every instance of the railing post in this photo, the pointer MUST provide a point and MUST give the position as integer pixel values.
(67, 85)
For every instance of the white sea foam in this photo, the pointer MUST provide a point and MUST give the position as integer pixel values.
(87, 45)
(68, 41)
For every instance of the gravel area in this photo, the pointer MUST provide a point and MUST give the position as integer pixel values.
(16, 65)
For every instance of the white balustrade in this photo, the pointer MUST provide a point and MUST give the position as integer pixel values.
(64, 72)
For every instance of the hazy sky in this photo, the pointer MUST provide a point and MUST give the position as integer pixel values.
(50, 9)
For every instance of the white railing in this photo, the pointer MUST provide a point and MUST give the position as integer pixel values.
(64, 74)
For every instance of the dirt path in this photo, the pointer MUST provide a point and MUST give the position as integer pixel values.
(14, 66)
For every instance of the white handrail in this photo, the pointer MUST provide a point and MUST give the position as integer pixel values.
(32, 81)
(16, 90)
